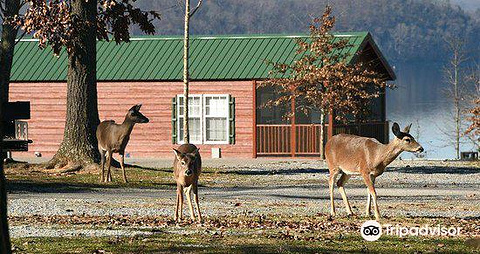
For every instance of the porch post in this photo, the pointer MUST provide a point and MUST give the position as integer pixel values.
(330, 126)
(254, 119)
(293, 130)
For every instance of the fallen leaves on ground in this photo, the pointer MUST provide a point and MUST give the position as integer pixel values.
(287, 227)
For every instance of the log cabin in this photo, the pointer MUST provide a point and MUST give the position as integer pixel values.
(225, 114)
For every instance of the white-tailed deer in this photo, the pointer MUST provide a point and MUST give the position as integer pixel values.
(113, 138)
(187, 167)
(353, 155)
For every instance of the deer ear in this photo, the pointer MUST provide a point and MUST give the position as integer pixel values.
(195, 153)
(407, 128)
(396, 129)
(177, 153)
(138, 106)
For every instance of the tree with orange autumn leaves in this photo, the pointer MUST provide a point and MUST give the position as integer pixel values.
(473, 114)
(475, 119)
(322, 79)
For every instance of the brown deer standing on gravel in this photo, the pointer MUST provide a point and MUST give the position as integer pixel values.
(353, 155)
(187, 167)
(113, 138)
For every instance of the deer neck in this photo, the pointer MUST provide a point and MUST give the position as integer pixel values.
(127, 126)
(390, 153)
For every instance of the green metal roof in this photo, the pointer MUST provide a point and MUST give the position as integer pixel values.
(160, 58)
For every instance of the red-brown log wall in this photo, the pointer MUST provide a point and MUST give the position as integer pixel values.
(48, 102)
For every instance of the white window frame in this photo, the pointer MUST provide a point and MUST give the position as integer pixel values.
(180, 140)
(227, 117)
(203, 117)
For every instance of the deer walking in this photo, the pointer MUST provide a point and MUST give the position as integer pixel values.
(348, 155)
(187, 167)
(113, 138)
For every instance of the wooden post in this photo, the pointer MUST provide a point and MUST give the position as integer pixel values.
(293, 131)
(254, 121)
(330, 126)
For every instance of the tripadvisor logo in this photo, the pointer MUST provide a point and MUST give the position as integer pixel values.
(371, 230)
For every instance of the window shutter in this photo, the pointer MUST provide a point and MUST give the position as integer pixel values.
(174, 120)
(231, 124)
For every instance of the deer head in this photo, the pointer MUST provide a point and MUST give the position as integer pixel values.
(135, 116)
(186, 161)
(404, 140)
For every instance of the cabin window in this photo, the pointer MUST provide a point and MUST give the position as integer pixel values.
(194, 117)
(209, 118)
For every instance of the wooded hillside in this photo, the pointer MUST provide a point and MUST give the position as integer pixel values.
(407, 30)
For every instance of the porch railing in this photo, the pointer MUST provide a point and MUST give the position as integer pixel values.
(274, 139)
(278, 139)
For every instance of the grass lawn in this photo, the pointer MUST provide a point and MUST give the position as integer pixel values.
(243, 234)
(239, 242)
(31, 176)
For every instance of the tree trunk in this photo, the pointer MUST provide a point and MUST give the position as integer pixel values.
(457, 108)
(79, 145)
(5, 246)
(6, 56)
(9, 34)
(186, 132)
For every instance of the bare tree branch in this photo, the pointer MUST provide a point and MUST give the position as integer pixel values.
(196, 7)
(181, 4)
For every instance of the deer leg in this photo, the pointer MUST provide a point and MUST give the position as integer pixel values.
(195, 197)
(109, 172)
(109, 162)
(371, 188)
(177, 203)
(122, 165)
(343, 179)
(369, 200)
(180, 206)
(102, 164)
(331, 181)
(188, 192)
(180, 203)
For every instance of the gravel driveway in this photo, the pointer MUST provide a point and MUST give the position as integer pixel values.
(413, 189)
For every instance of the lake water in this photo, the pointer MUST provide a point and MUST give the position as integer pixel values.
(420, 100)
